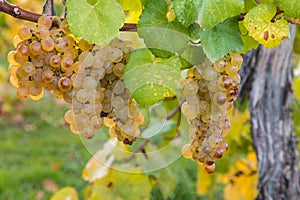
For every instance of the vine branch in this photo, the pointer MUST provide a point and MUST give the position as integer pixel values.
(23, 14)
(140, 148)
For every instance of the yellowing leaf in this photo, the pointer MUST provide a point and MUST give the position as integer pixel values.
(204, 181)
(241, 180)
(66, 193)
(262, 29)
(98, 166)
(133, 10)
(119, 185)
(297, 87)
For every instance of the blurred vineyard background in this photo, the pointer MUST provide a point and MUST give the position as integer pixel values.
(39, 155)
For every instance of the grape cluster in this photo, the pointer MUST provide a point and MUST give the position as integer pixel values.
(87, 76)
(209, 90)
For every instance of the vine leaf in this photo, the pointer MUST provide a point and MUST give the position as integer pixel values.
(258, 23)
(249, 42)
(166, 38)
(100, 22)
(221, 39)
(149, 80)
(160, 34)
(186, 11)
(291, 8)
(211, 12)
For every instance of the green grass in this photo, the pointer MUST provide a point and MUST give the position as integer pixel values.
(50, 151)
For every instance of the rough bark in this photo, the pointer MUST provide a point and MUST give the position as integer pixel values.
(267, 79)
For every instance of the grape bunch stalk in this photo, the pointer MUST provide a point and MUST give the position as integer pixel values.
(87, 76)
(210, 90)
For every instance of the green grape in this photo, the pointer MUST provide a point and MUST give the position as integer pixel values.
(190, 88)
(69, 117)
(82, 95)
(87, 110)
(189, 110)
(118, 69)
(117, 102)
(89, 83)
(209, 74)
(11, 58)
(219, 98)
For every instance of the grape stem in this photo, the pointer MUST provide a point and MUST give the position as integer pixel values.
(140, 148)
(20, 13)
(175, 110)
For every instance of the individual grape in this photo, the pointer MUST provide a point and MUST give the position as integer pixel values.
(61, 44)
(48, 76)
(45, 21)
(28, 68)
(35, 88)
(191, 88)
(209, 74)
(89, 83)
(118, 69)
(82, 95)
(22, 93)
(47, 44)
(219, 98)
(37, 97)
(236, 59)
(35, 48)
(117, 102)
(87, 110)
(189, 110)
(232, 70)
(42, 32)
(95, 122)
(23, 50)
(187, 151)
(11, 58)
(66, 63)
(86, 58)
(64, 84)
(24, 33)
(119, 87)
(84, 45)
(220, 65)
(55, 61)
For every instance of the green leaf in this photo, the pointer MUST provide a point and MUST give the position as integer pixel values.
(249, 42)
(186, 11)
(65, 193)
(258, 23)
(291, 8)
(98, 23)
(150, 81)
(221, 39)
(158, 32)
(212, 12)
(249, 4)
